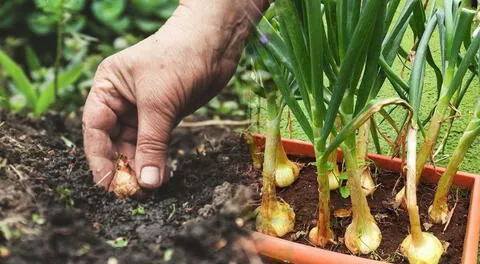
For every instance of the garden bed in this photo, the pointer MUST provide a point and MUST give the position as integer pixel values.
(42, 177)
(54, 214)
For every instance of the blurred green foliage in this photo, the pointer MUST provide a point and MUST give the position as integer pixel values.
(89, 30)
(105, 18)
(66, 39)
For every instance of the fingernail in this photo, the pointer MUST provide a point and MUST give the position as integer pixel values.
(150, 175)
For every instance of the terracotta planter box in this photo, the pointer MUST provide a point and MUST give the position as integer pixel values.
(292, 252)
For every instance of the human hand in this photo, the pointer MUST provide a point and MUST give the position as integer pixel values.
(140, 93)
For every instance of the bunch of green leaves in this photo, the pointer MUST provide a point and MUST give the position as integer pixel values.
(100, 16)
(38, 90)
(49, 13)
(144, 15)
(334, 71)
(454, 25)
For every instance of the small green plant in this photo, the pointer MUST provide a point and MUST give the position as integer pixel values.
(140, 210)
(119, 242)
(38, 219)
(39, 96)
(10, 233)
(65, 194)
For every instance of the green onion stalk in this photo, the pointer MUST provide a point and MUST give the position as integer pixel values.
(304, 43)
(362, 235)
(418, 246)
(438, 211)
(286, 171)
(255, 151)
(368, 185)
(455, 26)
(274, 217)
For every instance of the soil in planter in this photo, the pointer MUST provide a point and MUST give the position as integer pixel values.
(394, 224)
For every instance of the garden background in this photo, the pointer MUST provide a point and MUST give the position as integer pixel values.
(71, 37)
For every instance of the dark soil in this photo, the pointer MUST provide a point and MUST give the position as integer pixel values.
(394, 224)
(51, 212)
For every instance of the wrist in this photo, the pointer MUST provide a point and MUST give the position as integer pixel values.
(226, 12)
(221, 24)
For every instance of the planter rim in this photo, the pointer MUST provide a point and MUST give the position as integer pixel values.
(293, 252)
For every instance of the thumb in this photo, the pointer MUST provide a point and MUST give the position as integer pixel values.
(154, 127)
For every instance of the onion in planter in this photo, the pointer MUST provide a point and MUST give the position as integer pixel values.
(124, 183)
(368, 185)
(362, 235)
(455, 66)
(438, 211)
(286, 171)
(275, 217)
(419, 247)
(334, 172)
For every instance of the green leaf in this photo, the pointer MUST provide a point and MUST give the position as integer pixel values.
(330, 166)
(166, 11)
(167, 256)
(344, 192)
(20, 79)
(291, 26)
(147, 25)
(316, 50)
(140, 210)
(108, 10)
(41, 23)
(119, 242)
(418, 71)
(64, 79)
(74, 5)
(33, 61)
(362, 35)
(38, 219)
(147, 7)
(286, 90)
(365, 114)
(120, 25)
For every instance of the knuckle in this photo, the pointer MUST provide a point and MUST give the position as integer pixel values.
(150, 144)
(106, 64)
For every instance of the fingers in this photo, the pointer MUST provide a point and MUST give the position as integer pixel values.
(102, 107)
(155, 123)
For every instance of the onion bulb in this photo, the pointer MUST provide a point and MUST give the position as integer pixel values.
(124, 183)
(427, 251)
(333, 180)
(368, 185)
(364, 239)
(278, 221)
(440, 215)
(286, 172)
